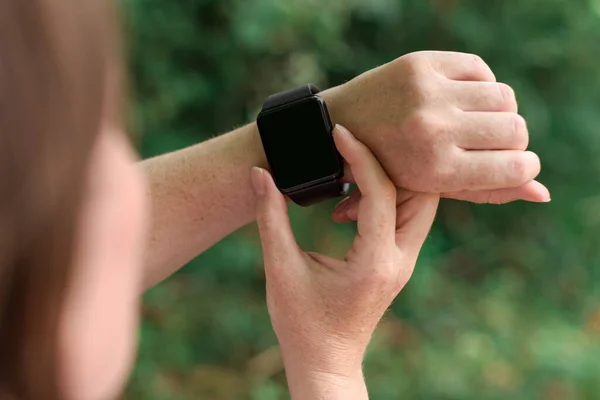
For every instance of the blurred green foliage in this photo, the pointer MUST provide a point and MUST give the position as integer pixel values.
(505, 301)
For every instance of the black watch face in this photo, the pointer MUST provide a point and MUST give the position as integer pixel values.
(298, 143)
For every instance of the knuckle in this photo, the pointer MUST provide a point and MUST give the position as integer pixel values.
(421, 54)
(480, 66)
(507, 96)
(433, 147)
(521, 135)
(411, 59)
(413, 67)
(477, 58)
(416, 77)
(519, 169)
(479, 63)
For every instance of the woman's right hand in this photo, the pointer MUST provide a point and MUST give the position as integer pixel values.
(324, 310)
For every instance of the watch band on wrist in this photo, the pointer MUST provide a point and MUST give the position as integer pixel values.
(290, 96)
(315, 194)
(321, 191)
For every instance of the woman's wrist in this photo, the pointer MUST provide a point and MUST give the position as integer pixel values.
(306, 383)
(327, 371)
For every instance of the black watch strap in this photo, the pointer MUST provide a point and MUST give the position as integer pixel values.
(317, 193)
(321, 191)
(290, 96)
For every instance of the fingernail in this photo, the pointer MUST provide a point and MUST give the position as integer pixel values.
(352, 213)
(547, 198)
(345, 132)
(343, 206)
(258, 181)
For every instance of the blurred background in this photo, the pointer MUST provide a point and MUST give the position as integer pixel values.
(505, 301)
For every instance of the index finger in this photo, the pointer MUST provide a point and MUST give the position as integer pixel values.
(377, 209)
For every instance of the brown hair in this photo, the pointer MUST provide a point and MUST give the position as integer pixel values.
(55, 59)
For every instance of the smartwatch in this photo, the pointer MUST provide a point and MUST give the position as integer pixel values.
(297, 137)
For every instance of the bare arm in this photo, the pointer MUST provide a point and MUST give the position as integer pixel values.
(437, 122)
(199, 195)
(203, 193)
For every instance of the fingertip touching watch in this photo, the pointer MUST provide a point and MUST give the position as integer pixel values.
(297, 137)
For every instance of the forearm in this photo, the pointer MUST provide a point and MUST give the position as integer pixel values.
(199, 195)
(202, 194)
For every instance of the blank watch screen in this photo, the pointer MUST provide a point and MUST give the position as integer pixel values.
(298, 143)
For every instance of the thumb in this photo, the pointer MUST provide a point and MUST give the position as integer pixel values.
(276, 234)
